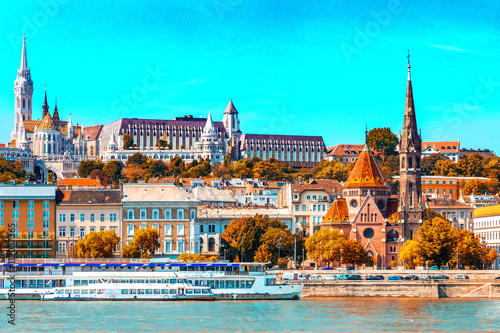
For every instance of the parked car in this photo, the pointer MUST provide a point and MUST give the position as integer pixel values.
(316, 278)
(462, 277)
(439, 277)
(343, 277)
(423, 278)
(354, 277)
(411, 278)
(327, 268)
(497, 278)
(434, 268)
(330, 277)
(306, 268)
(394, 278)
(374, 278)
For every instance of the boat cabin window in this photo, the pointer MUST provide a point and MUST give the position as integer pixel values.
(76, 291)
(172, 291)
(140, 291)
(173, 280)
(197, 291)
(156, 291)
(92, 291)
(85, 291)
(189, 291)
(133, 291)
(124, 292)
(60, 292)
(270, 282)
(164, 291)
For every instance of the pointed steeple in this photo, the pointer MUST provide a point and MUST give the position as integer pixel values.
(24, 58)
(112, 145)
(410, 136)
(22, 139)
(55, 116)
(366, 172)
(230, 109)
(209, 125)
(45, 107)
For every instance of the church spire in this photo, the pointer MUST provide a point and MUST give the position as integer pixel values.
(24, 59)
(209, 125)
(45, 106)
(55, 116)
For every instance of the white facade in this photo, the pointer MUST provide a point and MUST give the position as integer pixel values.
(487, 226)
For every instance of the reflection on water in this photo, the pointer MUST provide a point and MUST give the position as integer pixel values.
(306, 315)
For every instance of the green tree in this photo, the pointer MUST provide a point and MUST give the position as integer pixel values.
(471, 166)
(353, 253)
(156, 168)
(332, 170)
(137, 159)
(410, 254)
(176, 166)
(437, 239)
(326, 245)
(113, 170)
(86, 166)
(163, 144)
(128, 141)
(429, 162)
(143, 245)
(97, 245)
(383, 140)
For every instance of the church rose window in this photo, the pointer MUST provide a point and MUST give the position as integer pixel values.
(368, 233)
(354, 203)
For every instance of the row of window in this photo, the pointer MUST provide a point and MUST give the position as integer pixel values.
(167, 231)
(487, 223)
(490, 235)
(304, 219)
(450, 193)
(437, 182)
(155, 214)
(31, 204)
(31, 224)
(62, 231)
(315, 208)
(92, 217)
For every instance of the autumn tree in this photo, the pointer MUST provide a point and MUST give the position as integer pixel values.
(353, 253)
(101, 175)
(382, 140)
(176, 166)
(86, 166)
(156, 168)
(50, 177)
(97, 244)
(474, 186)
(470, 250)
(428, 163)
(445, 167)
(430, 214)
(471, 166)
(13, 171)
(162, 144)
(332, 170)
(143, 245)
(437, 240)
(410, 254)
(113, 170)
(188, 257)
(133, 173)
(196, 169)
(128, 141)
(326, 245)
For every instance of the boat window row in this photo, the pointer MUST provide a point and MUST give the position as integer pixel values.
(224, 284)
(130, 291)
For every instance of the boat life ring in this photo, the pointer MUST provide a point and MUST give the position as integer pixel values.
(38, 273)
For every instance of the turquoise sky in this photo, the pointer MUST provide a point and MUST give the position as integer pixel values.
(291, 67)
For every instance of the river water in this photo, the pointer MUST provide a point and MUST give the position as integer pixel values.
(305, 315)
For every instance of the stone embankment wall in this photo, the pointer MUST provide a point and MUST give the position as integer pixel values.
(400, 289)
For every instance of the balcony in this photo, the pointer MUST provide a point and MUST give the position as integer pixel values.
(37, 235)
(33, 247)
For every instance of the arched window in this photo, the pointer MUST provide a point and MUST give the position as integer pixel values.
(201, 244)
(180, 214)
(193, 214)
(168, 229)
(180, 229)
(156, 214)
(403, 166)
(157, 227)
(130, 214)
(168, 214)
(410, 162)
(130, 230)
(143, 214)
(211, 245)
(143, 226)
(411, 194)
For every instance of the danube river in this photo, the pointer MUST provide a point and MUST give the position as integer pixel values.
(306, 315)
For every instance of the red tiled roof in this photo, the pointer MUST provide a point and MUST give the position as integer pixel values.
(444, 203)
(92, 132)
(78, 182)
(337, 213)
(329, 185)
(443, 146)
(341, 150)
(366, 172)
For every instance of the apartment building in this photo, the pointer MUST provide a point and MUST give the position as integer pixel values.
(31, 210)
(487, 225)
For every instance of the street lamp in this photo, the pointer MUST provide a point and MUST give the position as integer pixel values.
(279, 250)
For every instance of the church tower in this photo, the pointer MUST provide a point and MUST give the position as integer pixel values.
(232, 125)
(410, 183)
(23, 91)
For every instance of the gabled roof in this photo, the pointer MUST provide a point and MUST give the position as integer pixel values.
(92, 197)
(329, 185)
(156, 192)
(443, 146)
(92, 132)
(366, 172)
(230, 109)
(341, 150)
(337, 213)
(47, 123)
(444, 203)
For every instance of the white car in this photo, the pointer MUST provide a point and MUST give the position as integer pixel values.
(330, 277)
(315, 278)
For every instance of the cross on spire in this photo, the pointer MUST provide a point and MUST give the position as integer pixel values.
(409, 79)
